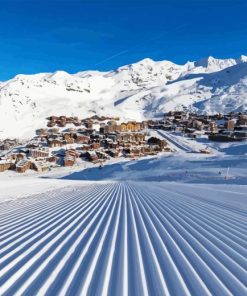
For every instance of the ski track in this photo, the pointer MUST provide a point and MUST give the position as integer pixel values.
(174, 140)
(124, 239)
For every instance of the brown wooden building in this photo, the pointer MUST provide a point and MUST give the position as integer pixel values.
(23, 165)
(5, 165)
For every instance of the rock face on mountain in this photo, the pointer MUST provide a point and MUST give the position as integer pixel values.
(145, 89)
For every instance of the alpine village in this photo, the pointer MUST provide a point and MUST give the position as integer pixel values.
(67, 140)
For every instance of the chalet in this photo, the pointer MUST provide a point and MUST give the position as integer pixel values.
(11, 157)
(68, 120)
(96, 117)
(112, 123)
(213, 127)
(62, 118)
(96, 136)
(242, 119)
(104, 129)
(42, 132)
(113, 152)
(61, 122)
(167, 149)
(110, 128)
(39, 153)
(241, 134)
(33, 145)
(112, 136)
(11, 142)
(53, 118)
(54, 136)
(148, 150)
(71, 152)
(95, 145)
(130, 137)
(55, 143)
(102, 155)
(113, 145)
(81, 139)
(71, 130)
(230, 124)
(228, 136)
(127, 151)
(41, 166)
(130, 127)
(19, 156)
(5, 146)
(180, 115)
(23, 165)
(91, 156)
(77, 123)
(123, 127)
(53, 130)
(197, 124)
(70, 157)
(51, 124)
(125, 144)
(53, 159)
(190, 132)
(87, 132)
(68, 138)
(240, 128)
(144, 125)
(5, 165)
(157, 141)
(135, 151)
(157, 148)
(88, 124)
(81, 130)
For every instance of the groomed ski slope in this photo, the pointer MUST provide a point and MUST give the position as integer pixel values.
(125, 238)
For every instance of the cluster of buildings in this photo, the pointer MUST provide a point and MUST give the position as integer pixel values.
(218, 127)
(8, 144)
(62, 121)
(65, 140)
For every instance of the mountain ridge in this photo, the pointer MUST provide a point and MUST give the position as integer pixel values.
(145, 89)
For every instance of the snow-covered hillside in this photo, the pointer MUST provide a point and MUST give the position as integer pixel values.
(142, 90)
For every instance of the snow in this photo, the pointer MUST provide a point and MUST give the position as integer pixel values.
(145, 89)
(161, 225)
(109, 238)
(211, 64)
(170, 224)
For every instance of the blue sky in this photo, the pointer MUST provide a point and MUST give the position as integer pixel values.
(74, 35)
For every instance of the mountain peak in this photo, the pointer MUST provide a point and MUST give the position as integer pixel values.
(59, 74)
(243, 59)
(214, 64)
(146, 61)
(207, 61)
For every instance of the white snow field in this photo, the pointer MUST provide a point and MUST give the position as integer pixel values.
(125, 238)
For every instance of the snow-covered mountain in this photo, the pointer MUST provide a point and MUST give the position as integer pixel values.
(142, 90)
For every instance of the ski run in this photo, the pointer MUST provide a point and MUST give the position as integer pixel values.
(125, 238)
